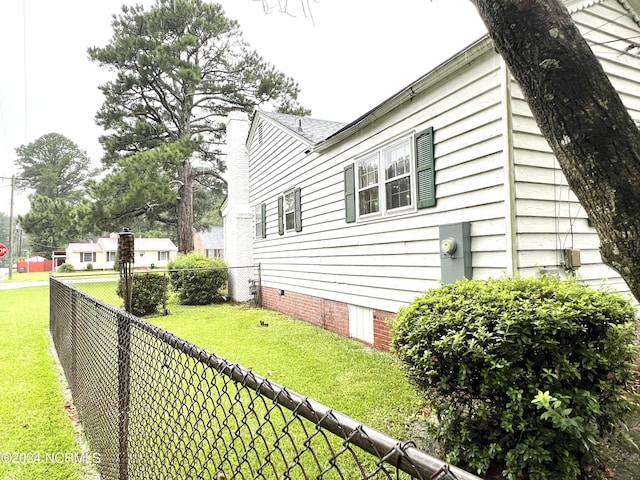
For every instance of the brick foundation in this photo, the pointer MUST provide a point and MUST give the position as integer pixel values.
(327, 314)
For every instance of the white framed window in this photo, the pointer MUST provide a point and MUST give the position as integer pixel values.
(163, 256)
(111, 256)
(397, 175)
(368, 185)
(261, 220)
(290, 211)
(88, 257)
(394, 179)
(384, 180)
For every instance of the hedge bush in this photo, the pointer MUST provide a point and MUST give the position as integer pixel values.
(66, 268)
(197, 279)
(148, 292)
(525, 378)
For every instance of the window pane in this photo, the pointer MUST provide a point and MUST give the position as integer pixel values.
(290, 221)
(289, 204)
(397, 161)
(368, 172)
(368, 201)
(398, 193)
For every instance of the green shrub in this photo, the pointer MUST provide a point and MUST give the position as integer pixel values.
(89, 266)
(525, 377)
(149, 290)
(198, 279)
(66, 268)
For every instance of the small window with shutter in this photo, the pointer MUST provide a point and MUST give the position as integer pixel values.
(261, 220)
(290, 211)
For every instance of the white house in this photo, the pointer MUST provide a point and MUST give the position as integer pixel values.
(448, 178)
(149, 253)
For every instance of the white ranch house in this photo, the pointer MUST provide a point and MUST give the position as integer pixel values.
(448, 178)
(156, 252)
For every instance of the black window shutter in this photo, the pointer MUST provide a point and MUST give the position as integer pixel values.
(263, 209)
(297, 198)
(349, 194)
(425, 171)
(280, 216)
(94, 257)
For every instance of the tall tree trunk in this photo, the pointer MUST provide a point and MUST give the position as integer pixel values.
(582, 117)
(185, 209)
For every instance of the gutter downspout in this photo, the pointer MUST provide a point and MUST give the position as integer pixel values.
(509, 175)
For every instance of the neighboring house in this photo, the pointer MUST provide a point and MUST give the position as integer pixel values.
(449, 178)
(210, 243)
(149, 253)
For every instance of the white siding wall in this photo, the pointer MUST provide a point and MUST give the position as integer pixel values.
(549, 217)
(385, 263)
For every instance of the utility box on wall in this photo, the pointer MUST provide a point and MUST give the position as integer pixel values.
(455, 252)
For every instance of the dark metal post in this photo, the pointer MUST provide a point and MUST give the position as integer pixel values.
(126, 256)
(124, 359)
(73, 381)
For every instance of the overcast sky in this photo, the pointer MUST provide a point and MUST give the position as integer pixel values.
(350, 58)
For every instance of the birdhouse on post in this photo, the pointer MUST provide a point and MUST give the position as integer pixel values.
(126, 256)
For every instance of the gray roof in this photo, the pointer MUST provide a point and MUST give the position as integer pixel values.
(213, 239)
(311, 129)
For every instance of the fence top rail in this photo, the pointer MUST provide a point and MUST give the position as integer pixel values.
(399, 454)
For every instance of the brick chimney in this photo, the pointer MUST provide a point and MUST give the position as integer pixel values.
(237, 214)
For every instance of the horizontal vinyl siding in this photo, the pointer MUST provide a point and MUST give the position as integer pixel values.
(549, 217)
(609, 30)
(385, 263)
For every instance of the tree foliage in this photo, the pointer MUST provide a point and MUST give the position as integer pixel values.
(180, 67)
(54, 222)
(57, 172)
(53, 166)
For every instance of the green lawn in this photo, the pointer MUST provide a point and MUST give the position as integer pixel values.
(33, 419)
(343, 374)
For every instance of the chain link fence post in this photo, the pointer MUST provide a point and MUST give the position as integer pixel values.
(124, 352)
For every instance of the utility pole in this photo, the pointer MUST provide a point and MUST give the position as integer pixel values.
(13, 187)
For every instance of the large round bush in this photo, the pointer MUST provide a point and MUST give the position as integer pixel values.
(148, 292)
(525, 376)
(198, 279)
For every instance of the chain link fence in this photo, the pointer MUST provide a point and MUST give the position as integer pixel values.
(242, 285)
(154, 406)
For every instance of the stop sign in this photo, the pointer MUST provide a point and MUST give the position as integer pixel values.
(3, 250)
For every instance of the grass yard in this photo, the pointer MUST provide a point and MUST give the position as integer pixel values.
(33, 419)
(343, 374)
